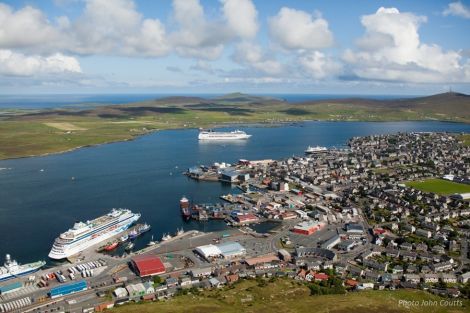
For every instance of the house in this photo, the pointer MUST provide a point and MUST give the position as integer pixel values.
(465, 277)
(171, 282)
(448, 278)
(431, 278)
(351, 283)
(201, 272)
(412, 278)
(232, 278)
(320, 276)
(214, 282)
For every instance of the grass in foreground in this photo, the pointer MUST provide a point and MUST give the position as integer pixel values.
(439, 186)
(285, 295)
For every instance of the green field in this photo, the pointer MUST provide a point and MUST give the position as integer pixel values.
(286, 295)
(466, 139)
(439, 186)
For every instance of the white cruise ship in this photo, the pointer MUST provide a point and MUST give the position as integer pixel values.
(233, 135)
(84, 235)
(315, 150)
(11, 268)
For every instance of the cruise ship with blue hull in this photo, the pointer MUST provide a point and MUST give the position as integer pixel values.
(11, 269)
(84, 235)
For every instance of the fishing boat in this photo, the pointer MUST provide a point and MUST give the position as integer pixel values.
(133, 234)
(111, 246)
(129, 246)
(143, 228)
(166, 237)
(124, 238)
(151, 242)
(184, 206)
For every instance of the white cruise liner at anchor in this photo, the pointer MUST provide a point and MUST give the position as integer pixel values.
(86, 234)
(212, 135)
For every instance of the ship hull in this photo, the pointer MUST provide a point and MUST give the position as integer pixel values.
(10, 276)
(83, 244)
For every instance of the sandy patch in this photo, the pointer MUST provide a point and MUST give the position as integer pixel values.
(65, 126)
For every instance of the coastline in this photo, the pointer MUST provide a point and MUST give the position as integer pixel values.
(220, 125)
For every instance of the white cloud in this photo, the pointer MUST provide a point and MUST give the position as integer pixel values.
(241, 17)
(458, 9)
(25, 27)
(251, 55)
(318, 66)
(18, 64)
(295, 29)
(115, 27)
(391, 50)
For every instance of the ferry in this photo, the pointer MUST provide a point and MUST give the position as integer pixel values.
(11, 268)
(212, 135)
(315, 150)
(83, 235)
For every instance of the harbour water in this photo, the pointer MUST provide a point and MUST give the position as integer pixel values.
(41, 197)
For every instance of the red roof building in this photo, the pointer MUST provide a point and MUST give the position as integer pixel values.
(320, 276)
(246, 218)
(148, 265)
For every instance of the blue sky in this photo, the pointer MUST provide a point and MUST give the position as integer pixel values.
(217, 46)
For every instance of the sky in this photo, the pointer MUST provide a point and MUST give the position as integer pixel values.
(220, 46)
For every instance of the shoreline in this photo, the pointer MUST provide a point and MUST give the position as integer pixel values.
(220, 125)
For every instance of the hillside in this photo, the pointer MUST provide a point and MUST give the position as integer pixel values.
(289, 296)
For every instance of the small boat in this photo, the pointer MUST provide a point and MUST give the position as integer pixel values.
(133, 234)
(151, 242)
(179, 231)
(124, 238)
(111, 246)
(166, 237)
(129, 246)
(144, 228)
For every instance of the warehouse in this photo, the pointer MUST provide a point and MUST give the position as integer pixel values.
(226, 250)
(68, 289)
(231, 250)
(147, 265)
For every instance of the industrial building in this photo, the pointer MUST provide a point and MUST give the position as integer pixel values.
(148, 265)
(68, 289)
(307, 227)
(227, 250)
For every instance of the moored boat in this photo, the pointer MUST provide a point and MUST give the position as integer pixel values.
(84, 235)
(12, 269)
(166, 237)
(111, 246)
(184, 206)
